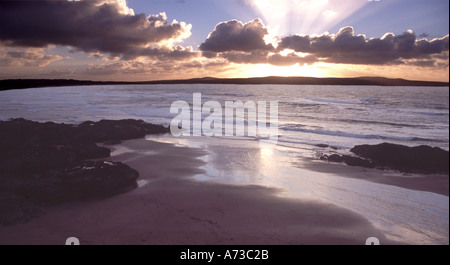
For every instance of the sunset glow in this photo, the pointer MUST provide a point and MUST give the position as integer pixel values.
(140, 40)
(261, 70)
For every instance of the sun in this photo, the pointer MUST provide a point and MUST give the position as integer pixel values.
(262, 70)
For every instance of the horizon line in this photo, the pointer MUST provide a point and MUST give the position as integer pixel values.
(22, 83)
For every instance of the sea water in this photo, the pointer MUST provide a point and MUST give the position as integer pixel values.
(339, 116)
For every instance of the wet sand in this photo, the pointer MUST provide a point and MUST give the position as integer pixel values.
(172, 207)
(436, 183)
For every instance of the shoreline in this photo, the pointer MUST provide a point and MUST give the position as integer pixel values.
(173, 208)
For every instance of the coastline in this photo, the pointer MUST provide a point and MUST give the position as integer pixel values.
(204, 190)
(174, 208)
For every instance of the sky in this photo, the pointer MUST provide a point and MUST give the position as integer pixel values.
(139, 40)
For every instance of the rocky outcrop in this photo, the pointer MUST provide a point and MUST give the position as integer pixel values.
(419, 159)
(47, 163)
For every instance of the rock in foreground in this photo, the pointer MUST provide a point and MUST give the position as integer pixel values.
(46, 163)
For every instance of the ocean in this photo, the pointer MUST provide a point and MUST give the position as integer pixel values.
(338, 116)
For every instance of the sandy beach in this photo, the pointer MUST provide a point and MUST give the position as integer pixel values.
(172, 207)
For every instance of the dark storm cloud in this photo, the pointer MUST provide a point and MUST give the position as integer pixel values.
(235, 36)
(434, 46)
(244, 43)
(91, 26)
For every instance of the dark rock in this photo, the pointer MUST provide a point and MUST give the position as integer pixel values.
(45, 162)
(84, 180)
(335, 158)
(358, 162)
(29, 147)
(21, 133)
(108, 130)
(420, 159)
(37, 158)
(327, 146)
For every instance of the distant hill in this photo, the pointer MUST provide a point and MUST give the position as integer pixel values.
(358, 81)
(9, 84)
(362, 81)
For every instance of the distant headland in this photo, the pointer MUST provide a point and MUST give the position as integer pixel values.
(8, 84)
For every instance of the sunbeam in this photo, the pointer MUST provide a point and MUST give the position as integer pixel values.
(288, 17)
